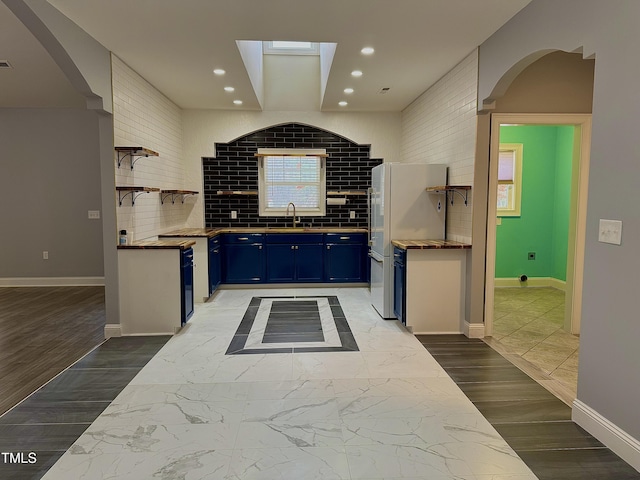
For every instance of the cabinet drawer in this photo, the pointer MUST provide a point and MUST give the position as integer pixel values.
(294, 238)
(338, 238)
(214, 241)
(246, 238)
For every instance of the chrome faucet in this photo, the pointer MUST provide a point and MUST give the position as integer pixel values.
(294, 213)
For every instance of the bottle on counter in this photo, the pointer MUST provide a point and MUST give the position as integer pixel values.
(122, 240)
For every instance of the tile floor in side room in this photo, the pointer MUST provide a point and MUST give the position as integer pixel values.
(385, 411)
(528, 323)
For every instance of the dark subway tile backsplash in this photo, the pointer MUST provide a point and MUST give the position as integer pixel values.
(235, 167)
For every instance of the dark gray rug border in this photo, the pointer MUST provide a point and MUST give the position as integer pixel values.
(239, 340)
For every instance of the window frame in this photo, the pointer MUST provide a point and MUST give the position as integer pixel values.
(515, 209)
(263, 210)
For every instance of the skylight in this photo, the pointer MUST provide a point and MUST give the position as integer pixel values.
(282, 47)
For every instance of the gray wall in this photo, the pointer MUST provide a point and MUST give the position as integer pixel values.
(50, 178)
(610, 329)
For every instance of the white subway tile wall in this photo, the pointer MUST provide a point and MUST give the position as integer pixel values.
(440, 127)
(144, 117)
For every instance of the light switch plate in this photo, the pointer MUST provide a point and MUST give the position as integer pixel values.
(610, 231)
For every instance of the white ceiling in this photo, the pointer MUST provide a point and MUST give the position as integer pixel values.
(175, 45)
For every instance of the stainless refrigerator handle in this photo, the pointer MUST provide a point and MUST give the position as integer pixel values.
(374, 258)
(369, 204)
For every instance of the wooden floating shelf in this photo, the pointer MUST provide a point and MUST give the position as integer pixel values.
(164, 194)
(132, 191)
(346, 192)
(237, 192)
(134, 153)
(454, 189)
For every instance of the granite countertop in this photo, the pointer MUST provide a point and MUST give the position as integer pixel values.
(428, 244)
(211, 232)
(158, 244)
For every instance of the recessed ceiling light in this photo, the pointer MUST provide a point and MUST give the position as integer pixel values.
(356, 73)
(343, 103)
(219, 71)
(238, 102)
(367, 51)
(229, 89)
(348, 90)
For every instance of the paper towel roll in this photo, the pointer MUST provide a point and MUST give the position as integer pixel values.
(336, 201)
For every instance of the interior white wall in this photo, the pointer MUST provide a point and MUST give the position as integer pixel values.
(609, 330)
(440, 127)
(203, 128)
(146, 118)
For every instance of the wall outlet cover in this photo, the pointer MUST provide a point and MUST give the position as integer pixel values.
(234, 214)
(610, 231)
(94, 214)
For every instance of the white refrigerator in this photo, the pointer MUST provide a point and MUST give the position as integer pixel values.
(401, 209)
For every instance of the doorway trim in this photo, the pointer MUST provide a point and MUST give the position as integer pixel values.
(578, 209)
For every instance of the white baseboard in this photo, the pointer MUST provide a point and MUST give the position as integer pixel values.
(112, 330)
(52, 282)
(531, 282)
(473, 330)
(619, 441)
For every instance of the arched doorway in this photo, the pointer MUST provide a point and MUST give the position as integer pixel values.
(527, 337)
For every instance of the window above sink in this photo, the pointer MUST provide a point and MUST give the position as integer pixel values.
(295, 176)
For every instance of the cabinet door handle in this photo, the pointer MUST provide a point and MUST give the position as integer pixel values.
(216, 251)
(259, 247)
(345, 238)
(296, 247)
(328, 247)
(292, 247)
(243, 238)
(397, 255)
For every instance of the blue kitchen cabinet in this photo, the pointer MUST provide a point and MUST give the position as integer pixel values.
(215, 263)
(186, 281)
(309, 264)
(281, 263)
(345, 257)
(399, 284)
(294, 257)
(244, 260)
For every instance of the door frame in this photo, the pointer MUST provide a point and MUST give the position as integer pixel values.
(577, 217)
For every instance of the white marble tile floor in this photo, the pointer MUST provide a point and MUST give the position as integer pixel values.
(387, 411)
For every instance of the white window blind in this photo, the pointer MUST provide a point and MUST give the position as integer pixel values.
(297, 179)
(509, 180)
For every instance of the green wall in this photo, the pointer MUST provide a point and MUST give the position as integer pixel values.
(543, 224)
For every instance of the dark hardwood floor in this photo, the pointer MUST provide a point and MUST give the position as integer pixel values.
(535, 423)
(43, 330)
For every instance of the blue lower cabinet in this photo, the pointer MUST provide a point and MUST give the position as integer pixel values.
(309, 264)
(186, 280)
(294, 257)
(243, 263)
(281, 263)
(399, 284)
(345, 257)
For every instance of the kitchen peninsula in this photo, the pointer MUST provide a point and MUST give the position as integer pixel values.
(429, 285)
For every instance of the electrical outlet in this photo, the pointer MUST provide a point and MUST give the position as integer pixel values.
(352, 214)
(94, 214)
(234, 214)
(610, 231)
(45, 255)
(531, 255)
